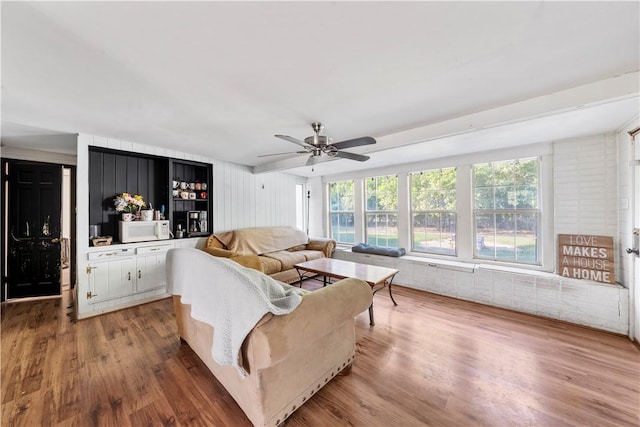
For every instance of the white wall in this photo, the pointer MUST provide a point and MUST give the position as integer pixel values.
(242, 199)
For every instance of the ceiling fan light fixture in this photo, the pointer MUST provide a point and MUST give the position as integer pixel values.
(318, 144)
(318, 140)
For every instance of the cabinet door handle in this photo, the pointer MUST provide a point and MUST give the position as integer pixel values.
(129, 276)
(139, 274)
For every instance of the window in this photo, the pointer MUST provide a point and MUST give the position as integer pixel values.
(433, 211)
(506, 210)
(341, 211)
(381, 210)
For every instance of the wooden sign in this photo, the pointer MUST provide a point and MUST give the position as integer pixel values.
(586, 257)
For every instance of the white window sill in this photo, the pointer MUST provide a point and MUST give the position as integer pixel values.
(472, 267)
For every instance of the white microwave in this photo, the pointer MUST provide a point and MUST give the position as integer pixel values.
(143, 231)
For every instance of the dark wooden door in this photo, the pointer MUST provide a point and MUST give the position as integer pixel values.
(35, 204)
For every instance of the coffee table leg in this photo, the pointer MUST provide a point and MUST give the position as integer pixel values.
(371, 322)
(299, 274)
(390, 294)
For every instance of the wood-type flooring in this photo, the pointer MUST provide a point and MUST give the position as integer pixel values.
(431, 360)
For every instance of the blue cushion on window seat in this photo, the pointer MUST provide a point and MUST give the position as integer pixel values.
(378, 250)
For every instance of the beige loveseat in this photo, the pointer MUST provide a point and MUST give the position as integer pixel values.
(278, 248)
(287, 358)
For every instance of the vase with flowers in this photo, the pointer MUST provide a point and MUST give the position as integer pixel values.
(128, 204)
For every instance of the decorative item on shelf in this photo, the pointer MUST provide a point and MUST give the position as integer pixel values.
(175, 193)
(192, 195)
(203, 186)
(184, 194)
(101, 241)
(198, 186)
(128, 204)
(146, 215)
(203, 194)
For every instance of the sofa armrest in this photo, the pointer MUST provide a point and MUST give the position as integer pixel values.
(319, 313)
(214, 242)
(249, 261)
(326, 245)
(219, 252)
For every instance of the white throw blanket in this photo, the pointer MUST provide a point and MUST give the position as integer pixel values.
(227, 296)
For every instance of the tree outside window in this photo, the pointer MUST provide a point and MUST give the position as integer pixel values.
(381, 211)
(433, 211)
(506, 210)
(341, 211)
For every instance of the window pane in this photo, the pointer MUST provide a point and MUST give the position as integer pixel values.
(503, 173)
(341, 196)
(483, 175)
(526, 172)
(527, 197)
(382, 193)
(434, 233)
(527, 238)
(382, 229)
(504, 197)
(342, 227)
(484, 198)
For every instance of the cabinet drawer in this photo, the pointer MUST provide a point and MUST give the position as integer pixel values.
(153, 249)
(112, 253)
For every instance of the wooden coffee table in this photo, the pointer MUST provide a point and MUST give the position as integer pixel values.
(376, 277)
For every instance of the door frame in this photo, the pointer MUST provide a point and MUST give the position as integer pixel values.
(4, 218)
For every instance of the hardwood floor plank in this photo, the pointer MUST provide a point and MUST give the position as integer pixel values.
(431, 360)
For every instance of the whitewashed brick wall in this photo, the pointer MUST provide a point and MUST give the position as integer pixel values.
(585, 186)
(586, 303)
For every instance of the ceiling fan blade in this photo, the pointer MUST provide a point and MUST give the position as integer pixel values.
(280, 154)
(352, 156)
(357, 142)
(292, 139)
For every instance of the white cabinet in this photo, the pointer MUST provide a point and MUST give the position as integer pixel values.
(121, 276)
(150, 267)
(110, 275)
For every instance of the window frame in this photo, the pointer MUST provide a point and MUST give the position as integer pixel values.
(413, 211)
(342, 212)
(514, 211)
(377, 212)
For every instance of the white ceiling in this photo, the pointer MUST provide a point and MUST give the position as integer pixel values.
(426, 79)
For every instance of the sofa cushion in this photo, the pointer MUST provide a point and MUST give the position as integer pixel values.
(287, 259)
(311, 255)
(270, 265)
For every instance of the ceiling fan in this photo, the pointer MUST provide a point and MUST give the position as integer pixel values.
(317, 145)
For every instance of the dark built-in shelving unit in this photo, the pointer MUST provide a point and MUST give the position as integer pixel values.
(112, 172)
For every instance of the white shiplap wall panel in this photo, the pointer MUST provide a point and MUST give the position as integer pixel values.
(242, 199)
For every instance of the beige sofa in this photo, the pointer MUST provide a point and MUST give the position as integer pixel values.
(287, 358)
(278, 248)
